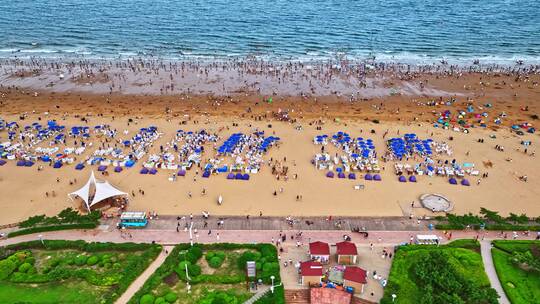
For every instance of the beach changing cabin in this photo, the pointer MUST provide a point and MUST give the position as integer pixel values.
(319, 251)
(311, 273)
(355, 277)
(346, 253)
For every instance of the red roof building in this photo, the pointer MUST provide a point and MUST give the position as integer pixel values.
(346, 253)
(329, 296)
(355, 277)
(311, 272)
(319, 251)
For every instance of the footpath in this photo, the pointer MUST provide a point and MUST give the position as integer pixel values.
(485, 247)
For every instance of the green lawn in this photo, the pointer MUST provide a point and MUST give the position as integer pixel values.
(49, 293)
(70, 271)
(520, 286)
(450, 266)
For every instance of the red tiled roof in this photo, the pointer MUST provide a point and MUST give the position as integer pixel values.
(329, 296)
(319, 248)
(355, 274)
(311, 268)
(346, 248)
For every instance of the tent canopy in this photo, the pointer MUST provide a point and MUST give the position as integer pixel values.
(95, 191)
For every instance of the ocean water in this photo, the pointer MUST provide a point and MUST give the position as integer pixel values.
(495, 31)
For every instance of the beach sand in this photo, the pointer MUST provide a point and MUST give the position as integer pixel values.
(23, 189)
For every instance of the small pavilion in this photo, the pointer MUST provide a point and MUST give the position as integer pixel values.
(95, 192)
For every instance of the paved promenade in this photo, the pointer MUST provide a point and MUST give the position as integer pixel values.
(282, 223)
(108, 234)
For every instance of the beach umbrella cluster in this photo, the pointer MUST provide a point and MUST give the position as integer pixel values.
(409, 145)
(366, 147)
(341, 137)
(320, 139)
(268, 141)
(80, 131)
(228, 146)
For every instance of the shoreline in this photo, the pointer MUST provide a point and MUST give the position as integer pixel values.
(340, 78)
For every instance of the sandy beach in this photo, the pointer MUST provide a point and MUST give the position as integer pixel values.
(376, 116)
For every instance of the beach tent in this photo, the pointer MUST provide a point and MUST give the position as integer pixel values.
(377, 177)
(143, 171)
(118, 169)
(341, 175)
(412, 179)
(238, 176)
(465, 182)
(230, 176)
(79, 167)
(2, 162)
(330, 174)
(28, 163)
(352, 176)
(57, 165)
(102, 168)
(95, 191)
(181, 173)
(206, 174)
(245, 176)
(402, 179)
(130, 163)
(152, 171)
(20, 163)
(452, 181)
(368, 177)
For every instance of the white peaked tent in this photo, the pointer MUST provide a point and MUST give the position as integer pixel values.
(95, 191)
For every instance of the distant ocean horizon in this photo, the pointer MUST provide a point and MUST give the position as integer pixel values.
(460, 31)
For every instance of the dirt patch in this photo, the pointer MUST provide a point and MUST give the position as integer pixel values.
(171, 279)
(205, 268)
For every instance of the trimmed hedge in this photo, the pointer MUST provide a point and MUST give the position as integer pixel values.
(52, 228)
(66, 216)
(490, 220)
(500, 227)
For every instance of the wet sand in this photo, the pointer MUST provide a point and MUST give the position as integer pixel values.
(24, 188)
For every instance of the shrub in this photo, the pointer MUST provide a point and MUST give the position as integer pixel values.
(32, 270)
(25, 267)
(247, 256)
(193, 270)
(193, 254)
(160, 300)
(80, 259)
(215, 262)
(171, 297)
(92, 260)
(30, 260)
(7, 266)
(147, 299)
(268, 270)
